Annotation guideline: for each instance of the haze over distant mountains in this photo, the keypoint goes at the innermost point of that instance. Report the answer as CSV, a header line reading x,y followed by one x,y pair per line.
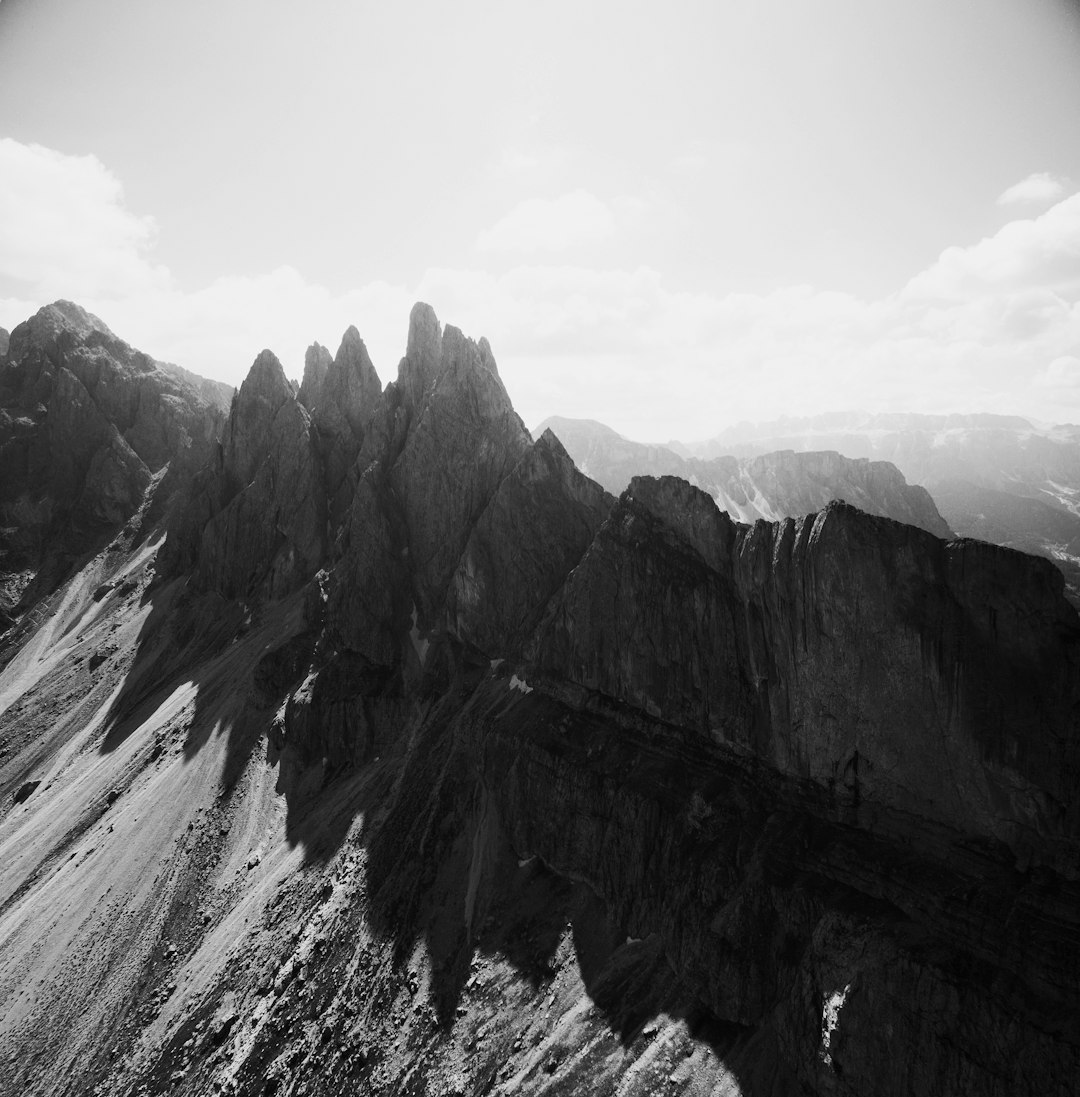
x,y
996,478
771,486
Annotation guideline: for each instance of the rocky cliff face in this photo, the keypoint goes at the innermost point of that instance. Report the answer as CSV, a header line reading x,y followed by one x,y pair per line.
x,y
463,776
995,477
86,425
771,485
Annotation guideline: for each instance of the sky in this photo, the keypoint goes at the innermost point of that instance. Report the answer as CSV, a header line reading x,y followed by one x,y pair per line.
x,y
668,217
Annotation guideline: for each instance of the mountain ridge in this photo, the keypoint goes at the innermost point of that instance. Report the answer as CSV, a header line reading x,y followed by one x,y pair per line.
x,y
452,773
780,484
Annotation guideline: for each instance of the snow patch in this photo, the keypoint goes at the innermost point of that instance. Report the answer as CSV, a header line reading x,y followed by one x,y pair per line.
x,y
520,684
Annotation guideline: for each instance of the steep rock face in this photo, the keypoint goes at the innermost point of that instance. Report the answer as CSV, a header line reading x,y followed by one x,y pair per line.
x,y
513,788
464,438
829,947
5,338
85,423
342,408
443,439
531,535
797,483
256,522
316,362
782,484
886,666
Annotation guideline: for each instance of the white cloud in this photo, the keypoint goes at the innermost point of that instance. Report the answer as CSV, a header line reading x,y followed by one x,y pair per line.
x,y
991,326
64,229
1040,188
1040,252
555,224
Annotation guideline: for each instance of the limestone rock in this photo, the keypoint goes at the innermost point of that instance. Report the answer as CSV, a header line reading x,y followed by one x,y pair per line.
x,y
316,362
531,535
871,658
464,438
256,522
86,421
344,406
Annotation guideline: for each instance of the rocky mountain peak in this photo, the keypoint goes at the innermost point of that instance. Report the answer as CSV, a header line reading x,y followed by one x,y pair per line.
x,y
264,392
615,795
687,511
352,386
88,425
423,354
317,361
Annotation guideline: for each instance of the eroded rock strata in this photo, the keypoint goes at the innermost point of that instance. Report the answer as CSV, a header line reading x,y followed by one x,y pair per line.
x,y
415,762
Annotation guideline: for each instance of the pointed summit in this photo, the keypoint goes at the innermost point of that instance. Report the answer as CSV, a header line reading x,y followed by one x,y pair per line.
x,y
264,391
352,385
423,354
317,361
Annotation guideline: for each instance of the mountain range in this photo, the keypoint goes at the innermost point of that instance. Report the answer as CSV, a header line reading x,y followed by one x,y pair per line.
x,y
995,478
354,740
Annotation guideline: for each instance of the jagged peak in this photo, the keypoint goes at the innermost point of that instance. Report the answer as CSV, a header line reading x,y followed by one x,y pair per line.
x,y
353,355
423,354
435,351
351,344
486,356
549,440
73,317
687,511
469,358
425,334
61,318
266,376
351,388
317,362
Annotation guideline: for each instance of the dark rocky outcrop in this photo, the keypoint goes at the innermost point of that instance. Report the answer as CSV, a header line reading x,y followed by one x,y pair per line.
x,y
531,535
86,423
256,521
342,406
809,785
892,669
444,438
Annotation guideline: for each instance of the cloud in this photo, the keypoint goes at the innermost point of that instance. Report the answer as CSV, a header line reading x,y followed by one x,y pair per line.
x,y
556,224
64,229
1040,252
993,326
1039,188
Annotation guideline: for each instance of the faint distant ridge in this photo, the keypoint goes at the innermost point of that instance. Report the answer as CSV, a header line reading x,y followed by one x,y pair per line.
x,y
771,486
858,428
999,478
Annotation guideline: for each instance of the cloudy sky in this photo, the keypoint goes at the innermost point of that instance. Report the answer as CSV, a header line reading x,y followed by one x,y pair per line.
x,y
669,217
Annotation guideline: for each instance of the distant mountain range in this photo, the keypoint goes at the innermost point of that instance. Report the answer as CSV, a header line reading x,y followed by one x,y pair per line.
x,y
771,486
994,477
